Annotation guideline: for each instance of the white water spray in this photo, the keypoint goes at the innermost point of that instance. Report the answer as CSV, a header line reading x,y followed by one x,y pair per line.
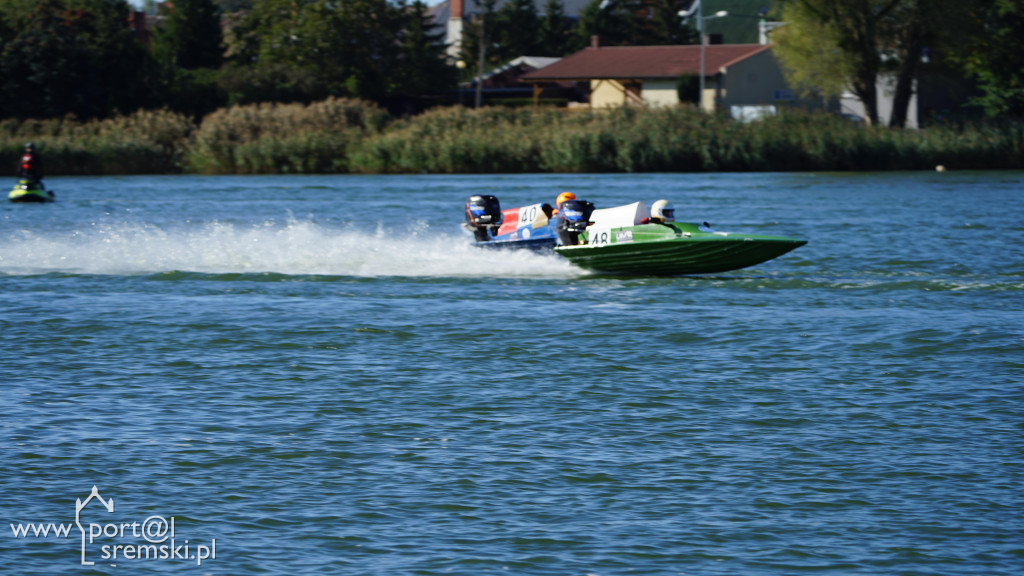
x,y
295,247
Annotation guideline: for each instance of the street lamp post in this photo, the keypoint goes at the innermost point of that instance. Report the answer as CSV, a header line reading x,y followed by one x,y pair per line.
x,y
700,31
480,60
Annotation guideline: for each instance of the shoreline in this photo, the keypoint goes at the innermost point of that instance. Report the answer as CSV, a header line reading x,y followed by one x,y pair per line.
x,y
339,136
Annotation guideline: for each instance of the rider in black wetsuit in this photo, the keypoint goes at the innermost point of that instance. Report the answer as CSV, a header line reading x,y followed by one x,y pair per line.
x,y
30,167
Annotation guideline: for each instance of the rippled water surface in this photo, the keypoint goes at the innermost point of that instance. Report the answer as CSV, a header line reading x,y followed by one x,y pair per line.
x,y
318,375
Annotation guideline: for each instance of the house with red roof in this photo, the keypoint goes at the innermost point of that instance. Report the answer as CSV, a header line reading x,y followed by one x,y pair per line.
x,y
739,78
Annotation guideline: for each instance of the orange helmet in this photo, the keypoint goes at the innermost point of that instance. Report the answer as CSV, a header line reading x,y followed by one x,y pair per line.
x,y
563,197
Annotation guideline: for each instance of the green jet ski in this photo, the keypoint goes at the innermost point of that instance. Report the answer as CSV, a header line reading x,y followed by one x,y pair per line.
x,y
26,191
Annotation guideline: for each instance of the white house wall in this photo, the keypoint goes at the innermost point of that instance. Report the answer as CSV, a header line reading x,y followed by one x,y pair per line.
x,y
606,94
660,93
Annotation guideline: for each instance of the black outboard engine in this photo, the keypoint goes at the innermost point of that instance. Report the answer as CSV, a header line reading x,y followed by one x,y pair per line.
x,y
574,216
483,216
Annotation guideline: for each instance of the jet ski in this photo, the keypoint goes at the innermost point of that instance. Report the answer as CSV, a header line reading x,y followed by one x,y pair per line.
x,y
28,191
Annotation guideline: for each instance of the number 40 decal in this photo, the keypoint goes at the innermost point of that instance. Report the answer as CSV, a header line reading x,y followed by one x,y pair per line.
x,y
527,214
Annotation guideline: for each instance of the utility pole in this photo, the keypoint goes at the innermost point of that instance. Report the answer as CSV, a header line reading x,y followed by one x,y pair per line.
x,y
480,62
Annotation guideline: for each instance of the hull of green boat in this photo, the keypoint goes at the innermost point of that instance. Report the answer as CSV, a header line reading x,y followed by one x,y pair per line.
x,y
670,257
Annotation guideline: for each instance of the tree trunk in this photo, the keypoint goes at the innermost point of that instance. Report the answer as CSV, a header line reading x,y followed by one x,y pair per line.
x,y
912,40
865,87
905,86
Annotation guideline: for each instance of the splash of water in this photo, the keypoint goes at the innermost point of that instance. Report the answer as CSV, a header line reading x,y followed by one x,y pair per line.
x,y
295,247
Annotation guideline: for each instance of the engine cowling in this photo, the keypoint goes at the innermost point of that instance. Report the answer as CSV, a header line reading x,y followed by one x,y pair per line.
x,y
574,216
483,216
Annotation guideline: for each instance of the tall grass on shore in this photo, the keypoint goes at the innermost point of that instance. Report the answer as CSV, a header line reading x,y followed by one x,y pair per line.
x,y
672,140
337,136
283,138
147,142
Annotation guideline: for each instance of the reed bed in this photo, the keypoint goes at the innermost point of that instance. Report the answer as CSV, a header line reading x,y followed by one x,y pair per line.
x,y
283,138
672,140
338,135
147,142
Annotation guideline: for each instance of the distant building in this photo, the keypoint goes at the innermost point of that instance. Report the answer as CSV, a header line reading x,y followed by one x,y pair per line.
x,y
505,82
743,79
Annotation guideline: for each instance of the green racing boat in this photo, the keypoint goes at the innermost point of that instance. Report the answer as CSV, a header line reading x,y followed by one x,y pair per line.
x,y
623,240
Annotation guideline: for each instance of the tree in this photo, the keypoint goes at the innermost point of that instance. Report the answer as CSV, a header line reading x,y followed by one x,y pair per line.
x,y
609,20
516,30
993,56
190,36
810,54
311,49
480,26
554,37
829,46
918,27
120,64
665,26
74,56
423,66
850,35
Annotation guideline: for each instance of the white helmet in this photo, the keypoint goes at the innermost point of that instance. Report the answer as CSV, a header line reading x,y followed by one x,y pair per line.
x,y
663,211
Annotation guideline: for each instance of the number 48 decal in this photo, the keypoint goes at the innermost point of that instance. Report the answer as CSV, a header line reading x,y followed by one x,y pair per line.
x,y
599,236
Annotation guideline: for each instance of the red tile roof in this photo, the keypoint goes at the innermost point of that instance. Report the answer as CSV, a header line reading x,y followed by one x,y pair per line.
x,y
644,62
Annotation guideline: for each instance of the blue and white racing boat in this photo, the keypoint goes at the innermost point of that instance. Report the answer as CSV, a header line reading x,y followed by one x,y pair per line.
x,y
532,227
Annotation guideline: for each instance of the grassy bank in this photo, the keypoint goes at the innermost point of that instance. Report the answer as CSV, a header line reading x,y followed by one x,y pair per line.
x,y
143,143
338,136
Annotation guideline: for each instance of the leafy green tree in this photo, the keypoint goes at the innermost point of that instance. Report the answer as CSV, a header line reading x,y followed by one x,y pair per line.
x,y
810,54
190,36
42,63
828,46
311,49
850,38
994,57
74,56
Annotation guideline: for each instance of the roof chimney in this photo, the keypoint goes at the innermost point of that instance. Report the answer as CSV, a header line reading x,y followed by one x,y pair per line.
x,y
595,41
456,9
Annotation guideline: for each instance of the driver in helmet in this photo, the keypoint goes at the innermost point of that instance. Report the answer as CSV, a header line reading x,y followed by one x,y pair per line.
x,y
663,212
561,200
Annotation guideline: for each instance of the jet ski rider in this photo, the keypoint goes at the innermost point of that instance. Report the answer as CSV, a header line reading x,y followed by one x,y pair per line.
x,y
30,167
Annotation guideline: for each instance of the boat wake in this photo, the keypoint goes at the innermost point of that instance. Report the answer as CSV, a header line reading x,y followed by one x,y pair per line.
x,y
293,248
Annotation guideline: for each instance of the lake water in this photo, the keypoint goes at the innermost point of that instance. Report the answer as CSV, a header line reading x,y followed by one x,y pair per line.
x,y
318,375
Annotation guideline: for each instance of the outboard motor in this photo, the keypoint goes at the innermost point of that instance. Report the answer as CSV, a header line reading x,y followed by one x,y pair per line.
x,y
574,216
483,216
